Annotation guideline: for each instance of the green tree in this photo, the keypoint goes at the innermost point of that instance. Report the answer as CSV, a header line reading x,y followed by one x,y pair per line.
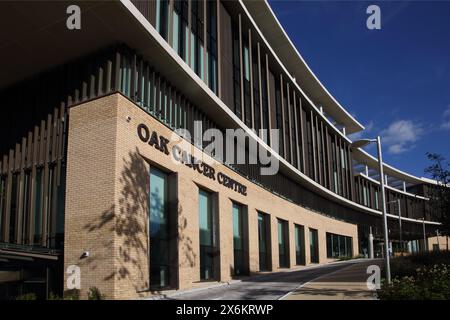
x,y
440,193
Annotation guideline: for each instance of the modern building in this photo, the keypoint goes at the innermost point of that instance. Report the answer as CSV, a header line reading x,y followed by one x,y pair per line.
x,y
91,177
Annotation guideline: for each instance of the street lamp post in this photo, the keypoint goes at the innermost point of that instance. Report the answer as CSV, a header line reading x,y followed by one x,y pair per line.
x,y
360,144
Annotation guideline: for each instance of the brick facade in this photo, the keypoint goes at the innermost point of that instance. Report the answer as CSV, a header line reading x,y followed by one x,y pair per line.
x,y
107,204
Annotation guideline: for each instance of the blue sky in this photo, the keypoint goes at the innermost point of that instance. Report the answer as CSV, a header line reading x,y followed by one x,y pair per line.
x,y
395,81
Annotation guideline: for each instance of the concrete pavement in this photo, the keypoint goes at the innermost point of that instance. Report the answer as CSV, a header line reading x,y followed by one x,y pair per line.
x,y
348,283
278,285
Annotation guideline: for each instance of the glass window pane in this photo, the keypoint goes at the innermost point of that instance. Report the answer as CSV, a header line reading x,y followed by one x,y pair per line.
x,y
186,49
202,62
262,237
206,236
313,246
158,216
237,226
299,245
175,35
342,251
335,246
282,245
349,247
238,239
159,229
246,64
329,245
205,219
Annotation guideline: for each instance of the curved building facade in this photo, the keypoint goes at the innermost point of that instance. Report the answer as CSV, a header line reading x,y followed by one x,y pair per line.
x,y
98,175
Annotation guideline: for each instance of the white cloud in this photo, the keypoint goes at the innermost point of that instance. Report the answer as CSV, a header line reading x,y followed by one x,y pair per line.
x,y
445,125
447,113
401,135
446,117
369,126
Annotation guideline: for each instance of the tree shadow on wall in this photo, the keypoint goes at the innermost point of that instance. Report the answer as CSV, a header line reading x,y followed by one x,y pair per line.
x,y
128,222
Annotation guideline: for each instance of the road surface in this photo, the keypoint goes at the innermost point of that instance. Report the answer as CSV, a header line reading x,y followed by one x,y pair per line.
x,y
266,287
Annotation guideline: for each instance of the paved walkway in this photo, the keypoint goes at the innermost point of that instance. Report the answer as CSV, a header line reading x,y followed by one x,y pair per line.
x,y
348,283
270,286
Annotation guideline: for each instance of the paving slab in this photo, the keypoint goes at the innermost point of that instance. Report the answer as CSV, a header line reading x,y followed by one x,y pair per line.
x,y
348,283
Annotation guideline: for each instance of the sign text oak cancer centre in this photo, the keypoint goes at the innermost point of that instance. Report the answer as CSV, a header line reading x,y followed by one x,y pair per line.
x,y
160,143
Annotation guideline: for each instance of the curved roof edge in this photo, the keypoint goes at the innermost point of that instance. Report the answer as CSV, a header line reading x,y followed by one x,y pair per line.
x,y
211,98
275,34
365,157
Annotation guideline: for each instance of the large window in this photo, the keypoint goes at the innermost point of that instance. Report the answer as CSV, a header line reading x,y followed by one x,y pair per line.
x,y
212,45
286,127
181,28
159,230
247,91
309,142
283,240
206,225
313,246
279,118
162,12
265,101
237,73
256,91
339,246
377,207
239,239
264,241
293,133
197,38
365,195
299,244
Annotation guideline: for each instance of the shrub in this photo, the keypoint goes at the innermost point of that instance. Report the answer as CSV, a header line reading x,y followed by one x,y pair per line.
x,y
27,296
72,294
95,294
346,258
408,265
429,283
53,296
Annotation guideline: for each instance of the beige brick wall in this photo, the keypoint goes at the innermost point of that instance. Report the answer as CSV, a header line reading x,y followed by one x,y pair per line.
x,y
90,192
440,241
107,196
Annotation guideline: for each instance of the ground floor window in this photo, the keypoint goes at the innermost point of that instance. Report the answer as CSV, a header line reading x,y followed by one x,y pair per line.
x,y
239,239
206,231
414,246
283,240
313,246
264,241
339,246
299,244
159,230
